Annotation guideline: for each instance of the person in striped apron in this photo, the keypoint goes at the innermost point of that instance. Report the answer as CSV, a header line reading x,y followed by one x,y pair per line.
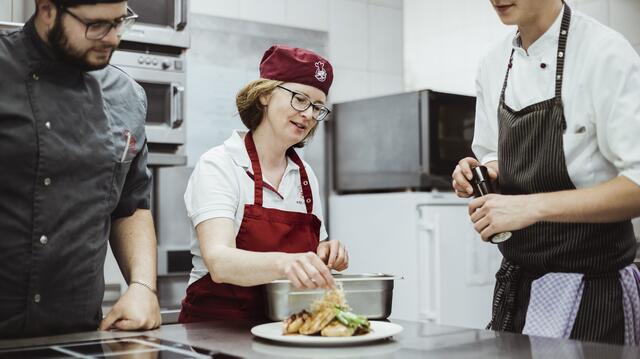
x,y
557,123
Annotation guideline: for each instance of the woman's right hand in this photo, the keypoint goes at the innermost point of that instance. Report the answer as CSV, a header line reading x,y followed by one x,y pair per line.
x,y
462,176
306,271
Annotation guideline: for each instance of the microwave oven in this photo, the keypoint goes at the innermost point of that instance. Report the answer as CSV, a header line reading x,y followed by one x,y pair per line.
x,y
409,141
162,22
162,75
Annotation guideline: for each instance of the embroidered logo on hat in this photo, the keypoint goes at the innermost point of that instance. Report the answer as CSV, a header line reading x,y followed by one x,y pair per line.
x,y
321,73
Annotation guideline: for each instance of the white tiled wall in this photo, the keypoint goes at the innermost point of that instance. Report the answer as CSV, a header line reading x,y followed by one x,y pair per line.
x,y
445,39
5,10
365,37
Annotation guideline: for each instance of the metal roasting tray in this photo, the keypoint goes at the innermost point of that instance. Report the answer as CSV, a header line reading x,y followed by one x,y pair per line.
x,y
368,294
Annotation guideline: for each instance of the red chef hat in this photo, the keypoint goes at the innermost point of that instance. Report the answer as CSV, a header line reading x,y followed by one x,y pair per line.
x,y
292,64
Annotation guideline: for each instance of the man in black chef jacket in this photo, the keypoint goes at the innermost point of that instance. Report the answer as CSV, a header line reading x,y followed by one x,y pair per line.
x,y
73,174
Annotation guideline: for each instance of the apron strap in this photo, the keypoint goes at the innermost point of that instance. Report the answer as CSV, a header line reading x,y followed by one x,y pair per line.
x,y
257,171
304,179
562,46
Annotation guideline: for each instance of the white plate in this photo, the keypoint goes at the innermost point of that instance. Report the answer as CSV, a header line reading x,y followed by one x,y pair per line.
x,y
273,331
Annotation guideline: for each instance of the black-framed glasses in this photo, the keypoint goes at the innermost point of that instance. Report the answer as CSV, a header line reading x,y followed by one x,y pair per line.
x,y
97,30
301,102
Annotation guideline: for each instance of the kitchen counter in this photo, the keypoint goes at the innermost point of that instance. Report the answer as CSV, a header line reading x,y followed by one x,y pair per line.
x,y
418,340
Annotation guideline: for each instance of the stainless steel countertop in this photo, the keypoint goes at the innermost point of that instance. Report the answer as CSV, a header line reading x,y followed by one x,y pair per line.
x,y
418,340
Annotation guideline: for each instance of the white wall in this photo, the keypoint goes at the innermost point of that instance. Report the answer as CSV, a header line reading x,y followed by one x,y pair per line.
x,y
365,37
444,40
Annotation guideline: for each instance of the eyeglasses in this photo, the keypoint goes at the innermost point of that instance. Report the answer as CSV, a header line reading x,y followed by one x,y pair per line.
x,y
99,29
301,102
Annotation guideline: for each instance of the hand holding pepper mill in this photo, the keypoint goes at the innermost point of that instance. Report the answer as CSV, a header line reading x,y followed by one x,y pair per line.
x,y
482,186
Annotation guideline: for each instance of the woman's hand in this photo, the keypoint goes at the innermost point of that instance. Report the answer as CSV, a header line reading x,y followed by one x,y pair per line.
x,y
462,176
307,271
334,254
496,213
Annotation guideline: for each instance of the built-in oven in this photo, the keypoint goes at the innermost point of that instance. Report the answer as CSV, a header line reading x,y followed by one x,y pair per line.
x,y
160,22
162,75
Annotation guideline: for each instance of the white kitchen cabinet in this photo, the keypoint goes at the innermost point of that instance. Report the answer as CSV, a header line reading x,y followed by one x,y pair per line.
x,y
428,239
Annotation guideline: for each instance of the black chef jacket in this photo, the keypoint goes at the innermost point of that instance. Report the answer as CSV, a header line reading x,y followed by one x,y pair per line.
x,y
73,157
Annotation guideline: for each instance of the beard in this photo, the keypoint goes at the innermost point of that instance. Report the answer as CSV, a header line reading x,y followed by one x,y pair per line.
x,y
70,55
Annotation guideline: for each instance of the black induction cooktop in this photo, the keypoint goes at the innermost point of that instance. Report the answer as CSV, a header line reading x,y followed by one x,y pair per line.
x,y
132,347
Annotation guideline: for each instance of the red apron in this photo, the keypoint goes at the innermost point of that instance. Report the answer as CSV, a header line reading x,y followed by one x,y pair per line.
x,y
262,230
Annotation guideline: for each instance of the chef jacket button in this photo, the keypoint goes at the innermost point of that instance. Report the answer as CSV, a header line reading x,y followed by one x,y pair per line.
x,y
47,125
35,76
44,239
47,181
563,32
36,298
308,200
543,65
306,183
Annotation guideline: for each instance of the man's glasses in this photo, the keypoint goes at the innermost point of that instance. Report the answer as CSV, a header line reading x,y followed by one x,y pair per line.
x,y
300,102
99,29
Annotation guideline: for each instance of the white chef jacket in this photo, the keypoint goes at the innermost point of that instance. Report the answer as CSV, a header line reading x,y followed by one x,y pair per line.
x,y
219,187
600,93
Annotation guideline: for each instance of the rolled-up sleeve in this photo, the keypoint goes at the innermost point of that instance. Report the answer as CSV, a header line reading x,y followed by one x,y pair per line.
x,y
616,92
136,193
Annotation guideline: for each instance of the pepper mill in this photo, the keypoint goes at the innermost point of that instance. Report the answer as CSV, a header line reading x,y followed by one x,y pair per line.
x,y
482,186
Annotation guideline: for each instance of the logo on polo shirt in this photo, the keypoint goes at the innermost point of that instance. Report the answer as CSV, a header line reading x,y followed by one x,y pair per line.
x,y
321,73
300,196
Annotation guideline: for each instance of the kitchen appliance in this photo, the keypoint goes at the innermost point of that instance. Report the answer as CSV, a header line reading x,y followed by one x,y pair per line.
x,y
370,295
141,346
161,72
426,238
397,142
162,22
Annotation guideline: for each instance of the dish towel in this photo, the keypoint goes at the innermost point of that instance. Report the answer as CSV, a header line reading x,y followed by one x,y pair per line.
x,y
555,300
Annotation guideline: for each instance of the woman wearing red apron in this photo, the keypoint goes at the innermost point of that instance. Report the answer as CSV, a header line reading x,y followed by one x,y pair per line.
x,y
254,203
557,123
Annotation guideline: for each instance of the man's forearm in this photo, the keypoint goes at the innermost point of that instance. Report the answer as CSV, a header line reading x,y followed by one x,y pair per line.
x,y
134,246
612,201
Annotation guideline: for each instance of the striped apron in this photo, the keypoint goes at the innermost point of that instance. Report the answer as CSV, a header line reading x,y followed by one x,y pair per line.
x,y
531,160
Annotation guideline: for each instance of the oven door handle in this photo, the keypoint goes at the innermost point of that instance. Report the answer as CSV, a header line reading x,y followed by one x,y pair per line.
x,y
178,106
181,13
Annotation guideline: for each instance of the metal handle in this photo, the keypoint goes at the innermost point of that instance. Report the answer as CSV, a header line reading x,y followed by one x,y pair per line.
x,y
181,11
178,113
429,280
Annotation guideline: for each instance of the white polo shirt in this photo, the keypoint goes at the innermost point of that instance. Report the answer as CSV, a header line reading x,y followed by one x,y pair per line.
x,y
600,93
219,187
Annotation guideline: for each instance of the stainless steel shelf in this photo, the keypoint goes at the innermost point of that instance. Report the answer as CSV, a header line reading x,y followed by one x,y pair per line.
x,y
164,159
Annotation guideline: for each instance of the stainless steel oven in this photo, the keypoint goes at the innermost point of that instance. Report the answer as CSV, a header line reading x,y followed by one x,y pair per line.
x,y
163,77
160,22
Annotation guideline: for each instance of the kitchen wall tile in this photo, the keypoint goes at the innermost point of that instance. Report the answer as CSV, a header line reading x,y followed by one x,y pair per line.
x,y
349,84
308,14
5,10
396,4
597,9
223,8
348,34
385,40
385,84
624,16
271,11
637,47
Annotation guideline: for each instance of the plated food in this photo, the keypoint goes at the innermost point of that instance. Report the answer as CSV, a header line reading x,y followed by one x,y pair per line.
x,y
330,316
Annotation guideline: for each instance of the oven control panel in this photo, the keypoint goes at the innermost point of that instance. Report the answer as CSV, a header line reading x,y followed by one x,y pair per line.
x,y
149,61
